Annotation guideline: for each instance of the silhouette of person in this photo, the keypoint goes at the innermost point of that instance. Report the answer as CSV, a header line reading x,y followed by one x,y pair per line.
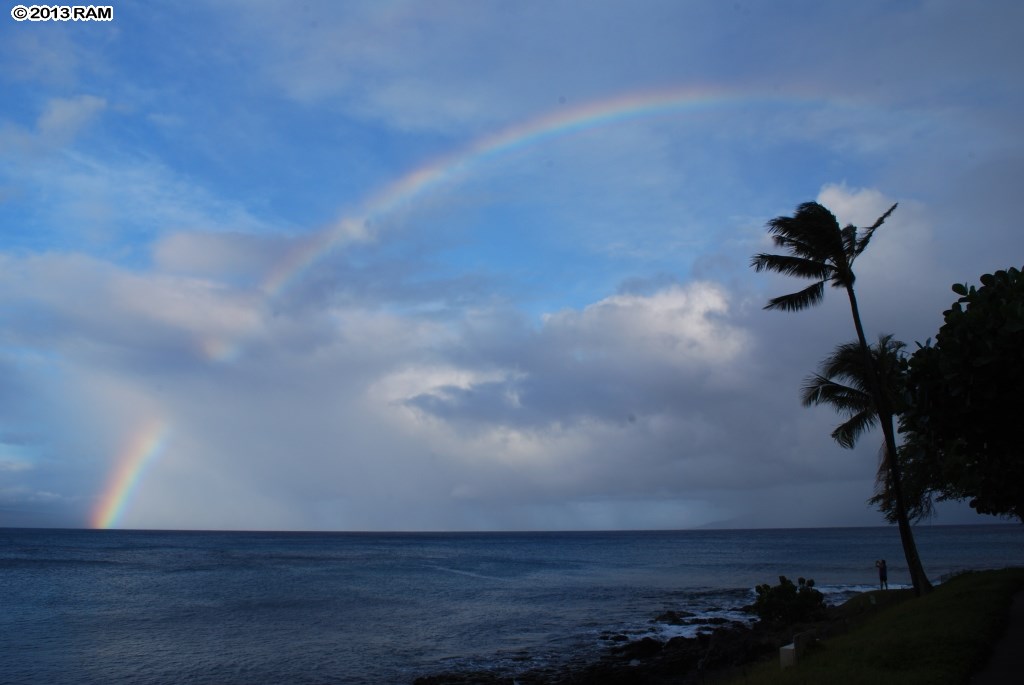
x,y
883,574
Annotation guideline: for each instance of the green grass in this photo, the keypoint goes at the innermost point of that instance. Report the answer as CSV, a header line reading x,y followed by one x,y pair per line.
x,y
940,638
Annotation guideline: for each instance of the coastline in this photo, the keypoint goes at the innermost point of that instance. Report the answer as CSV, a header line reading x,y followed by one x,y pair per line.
x,y
709,657
679,660
968,630
703,643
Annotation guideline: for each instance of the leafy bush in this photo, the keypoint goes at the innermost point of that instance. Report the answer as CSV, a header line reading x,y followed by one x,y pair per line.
x,y
789,603
962,426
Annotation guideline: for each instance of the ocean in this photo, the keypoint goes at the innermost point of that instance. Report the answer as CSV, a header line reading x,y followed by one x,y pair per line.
x,y
153,607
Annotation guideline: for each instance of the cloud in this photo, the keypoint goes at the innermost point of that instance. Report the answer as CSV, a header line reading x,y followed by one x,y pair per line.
x,y
615,359
634,394
143,320
64,117
406,65
227,256
64,193
326,405
679,326
56,127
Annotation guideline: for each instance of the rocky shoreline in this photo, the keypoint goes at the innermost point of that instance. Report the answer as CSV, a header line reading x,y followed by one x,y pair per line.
x,y
708,658
648,660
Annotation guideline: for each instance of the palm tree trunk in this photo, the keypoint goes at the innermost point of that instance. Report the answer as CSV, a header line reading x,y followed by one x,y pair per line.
x,y
885,414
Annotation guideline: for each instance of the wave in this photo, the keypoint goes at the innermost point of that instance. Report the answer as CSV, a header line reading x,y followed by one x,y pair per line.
x,y
471,574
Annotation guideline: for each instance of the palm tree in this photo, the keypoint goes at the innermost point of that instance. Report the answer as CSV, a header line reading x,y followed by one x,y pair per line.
x,y
823,252
843,382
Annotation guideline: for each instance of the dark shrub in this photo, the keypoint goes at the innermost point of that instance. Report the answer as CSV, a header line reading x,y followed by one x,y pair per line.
x,y
787,603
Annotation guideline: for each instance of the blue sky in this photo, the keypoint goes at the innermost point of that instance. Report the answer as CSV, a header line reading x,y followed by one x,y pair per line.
x,y
213,232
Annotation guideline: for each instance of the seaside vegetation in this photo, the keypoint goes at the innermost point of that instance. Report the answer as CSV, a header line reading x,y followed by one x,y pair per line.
x,y
789,602
939,639
961,423
956,402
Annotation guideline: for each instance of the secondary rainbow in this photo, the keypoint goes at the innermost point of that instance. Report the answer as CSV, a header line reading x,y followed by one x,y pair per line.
x,y
561,122
141,450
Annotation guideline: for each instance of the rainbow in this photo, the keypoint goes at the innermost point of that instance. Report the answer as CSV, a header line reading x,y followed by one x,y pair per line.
x,y
139,452
561,122
357,225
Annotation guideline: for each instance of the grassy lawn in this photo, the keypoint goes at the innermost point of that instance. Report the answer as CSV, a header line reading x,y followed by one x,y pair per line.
x,y
941,638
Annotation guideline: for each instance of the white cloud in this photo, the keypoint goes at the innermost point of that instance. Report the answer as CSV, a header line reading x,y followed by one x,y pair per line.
x,y
405,384
681,327
857,206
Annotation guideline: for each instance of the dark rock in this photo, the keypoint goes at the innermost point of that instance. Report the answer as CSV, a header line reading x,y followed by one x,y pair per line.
x,y
713,621
674,618
641,649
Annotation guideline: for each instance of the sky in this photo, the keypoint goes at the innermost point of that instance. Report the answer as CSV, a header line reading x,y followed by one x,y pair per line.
x,y
458,265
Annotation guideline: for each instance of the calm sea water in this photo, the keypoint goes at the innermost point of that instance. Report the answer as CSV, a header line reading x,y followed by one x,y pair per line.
x,y
260,608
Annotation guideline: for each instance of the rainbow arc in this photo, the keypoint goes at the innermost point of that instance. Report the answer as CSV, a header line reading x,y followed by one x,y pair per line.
x,y
141,450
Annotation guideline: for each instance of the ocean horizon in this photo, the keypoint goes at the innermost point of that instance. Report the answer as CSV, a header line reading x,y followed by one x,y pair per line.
x,y
255,607
712,527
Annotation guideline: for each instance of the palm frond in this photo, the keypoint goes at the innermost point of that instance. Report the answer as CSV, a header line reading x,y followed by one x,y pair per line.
x,y
847,363
794,302
843,382
797,247
818,389
870,231
811,232
791,266
849,234
825,226
816,251
848,432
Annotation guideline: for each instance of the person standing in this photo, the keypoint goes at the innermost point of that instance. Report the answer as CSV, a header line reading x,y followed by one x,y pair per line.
x,y
883,574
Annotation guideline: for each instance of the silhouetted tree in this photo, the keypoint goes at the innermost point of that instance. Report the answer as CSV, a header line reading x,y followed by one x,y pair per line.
x,y
843,382
963,425
819,250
